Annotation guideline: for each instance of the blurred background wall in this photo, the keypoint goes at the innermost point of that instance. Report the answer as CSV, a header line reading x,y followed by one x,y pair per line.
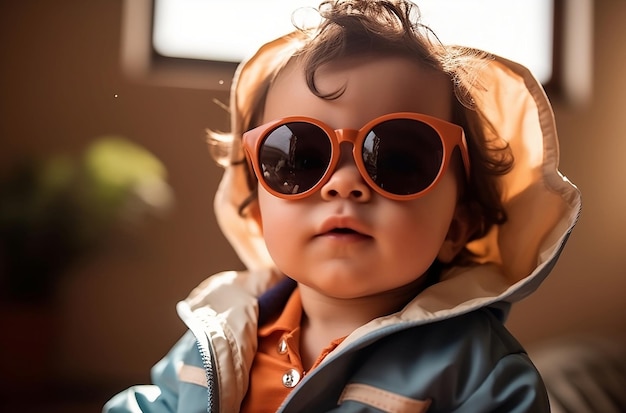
x,y
113,314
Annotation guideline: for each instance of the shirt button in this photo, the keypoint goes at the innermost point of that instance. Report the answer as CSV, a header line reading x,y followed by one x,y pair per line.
x,y
282,346
291,378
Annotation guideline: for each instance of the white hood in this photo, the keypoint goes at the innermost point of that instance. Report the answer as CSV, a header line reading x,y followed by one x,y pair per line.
x,y
542,205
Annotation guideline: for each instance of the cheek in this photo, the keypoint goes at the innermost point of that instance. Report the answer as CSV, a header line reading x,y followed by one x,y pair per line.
x,y
417,237
420,228
278,222
267,217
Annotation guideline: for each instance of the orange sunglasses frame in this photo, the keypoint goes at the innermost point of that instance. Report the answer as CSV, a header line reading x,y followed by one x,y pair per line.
x,y
451,136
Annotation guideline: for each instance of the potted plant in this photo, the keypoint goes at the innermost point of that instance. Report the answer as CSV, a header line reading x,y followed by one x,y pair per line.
x,y
55,211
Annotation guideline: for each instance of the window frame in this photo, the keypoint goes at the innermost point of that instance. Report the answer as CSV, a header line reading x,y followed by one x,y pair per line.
x,y
141,61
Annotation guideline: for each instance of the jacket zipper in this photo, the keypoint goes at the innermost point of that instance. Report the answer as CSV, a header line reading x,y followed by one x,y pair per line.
x,y
211,377
199,325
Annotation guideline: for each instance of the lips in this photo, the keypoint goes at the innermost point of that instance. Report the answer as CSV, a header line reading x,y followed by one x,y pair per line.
x,y
343,226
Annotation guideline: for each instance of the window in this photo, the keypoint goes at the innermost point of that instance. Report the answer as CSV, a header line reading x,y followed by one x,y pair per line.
x,y
200,41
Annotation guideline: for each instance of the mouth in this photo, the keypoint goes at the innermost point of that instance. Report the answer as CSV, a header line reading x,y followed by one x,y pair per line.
x,y
344,231
343,227
343,235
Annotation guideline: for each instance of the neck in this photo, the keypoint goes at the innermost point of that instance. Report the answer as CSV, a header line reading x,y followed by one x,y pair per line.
x,y
326,318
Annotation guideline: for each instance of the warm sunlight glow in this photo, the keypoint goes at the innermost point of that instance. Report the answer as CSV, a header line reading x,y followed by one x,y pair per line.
x,y
520,30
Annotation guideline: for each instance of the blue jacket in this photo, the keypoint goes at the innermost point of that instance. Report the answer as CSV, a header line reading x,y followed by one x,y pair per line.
x,y
465,363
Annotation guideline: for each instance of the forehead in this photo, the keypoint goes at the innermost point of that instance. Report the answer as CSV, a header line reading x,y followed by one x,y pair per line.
x,y
374,86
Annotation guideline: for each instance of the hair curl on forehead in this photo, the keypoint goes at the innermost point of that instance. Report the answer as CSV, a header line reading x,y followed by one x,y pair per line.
x,y
358,28
387,28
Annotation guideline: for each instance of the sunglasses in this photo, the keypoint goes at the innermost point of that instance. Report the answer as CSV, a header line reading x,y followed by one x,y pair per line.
x,y
401,156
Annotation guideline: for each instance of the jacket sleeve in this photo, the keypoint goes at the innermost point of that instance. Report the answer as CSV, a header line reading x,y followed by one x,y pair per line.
x,y
178,384
513,386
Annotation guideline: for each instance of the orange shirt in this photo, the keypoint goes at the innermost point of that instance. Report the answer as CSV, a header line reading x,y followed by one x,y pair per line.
x,y
277,367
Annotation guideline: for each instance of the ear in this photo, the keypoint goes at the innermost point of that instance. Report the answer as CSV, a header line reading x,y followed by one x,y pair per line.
x,y
459,232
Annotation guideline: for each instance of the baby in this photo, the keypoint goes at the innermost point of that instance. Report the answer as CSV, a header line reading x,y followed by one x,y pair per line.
x,y
390,197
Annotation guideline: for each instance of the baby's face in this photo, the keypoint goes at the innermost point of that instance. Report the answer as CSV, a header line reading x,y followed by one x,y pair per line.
x,y
346,240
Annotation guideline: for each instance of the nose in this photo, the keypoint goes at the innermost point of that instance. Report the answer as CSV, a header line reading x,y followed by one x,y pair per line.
x,y
346,180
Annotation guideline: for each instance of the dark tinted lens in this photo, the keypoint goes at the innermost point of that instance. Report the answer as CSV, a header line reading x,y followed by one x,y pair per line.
x,y
403,156
294,157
